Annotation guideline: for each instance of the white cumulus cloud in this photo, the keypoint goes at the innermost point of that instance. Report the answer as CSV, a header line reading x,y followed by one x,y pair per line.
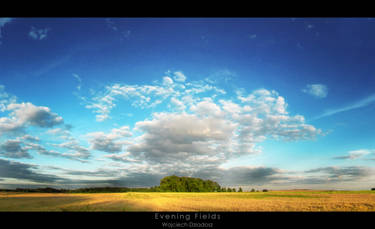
x,y
179,76
27,114
214,132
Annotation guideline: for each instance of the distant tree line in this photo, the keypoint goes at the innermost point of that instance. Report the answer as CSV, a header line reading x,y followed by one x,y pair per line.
x,y
167,184
79,190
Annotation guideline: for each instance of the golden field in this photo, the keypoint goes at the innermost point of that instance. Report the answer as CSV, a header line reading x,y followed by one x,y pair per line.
x,y
138,201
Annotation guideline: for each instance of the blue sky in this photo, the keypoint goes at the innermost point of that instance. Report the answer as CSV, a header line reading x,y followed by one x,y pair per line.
x,y
279,103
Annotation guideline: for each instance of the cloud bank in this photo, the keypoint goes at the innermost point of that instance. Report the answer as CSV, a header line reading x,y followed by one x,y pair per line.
x,y
199,130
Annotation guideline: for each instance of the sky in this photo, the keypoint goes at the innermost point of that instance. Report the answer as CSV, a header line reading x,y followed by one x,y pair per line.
x,y
277,103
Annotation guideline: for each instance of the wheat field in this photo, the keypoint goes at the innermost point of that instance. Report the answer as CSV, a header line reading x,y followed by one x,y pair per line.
x,y
137,201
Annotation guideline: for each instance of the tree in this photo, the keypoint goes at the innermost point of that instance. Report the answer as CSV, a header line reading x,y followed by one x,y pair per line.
x,y
240,189
187,184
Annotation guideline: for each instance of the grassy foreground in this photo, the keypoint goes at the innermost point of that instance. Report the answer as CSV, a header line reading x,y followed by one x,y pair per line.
x,y
246,201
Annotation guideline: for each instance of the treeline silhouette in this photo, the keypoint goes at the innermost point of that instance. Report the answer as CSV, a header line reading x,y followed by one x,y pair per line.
x,y
167,184
79,190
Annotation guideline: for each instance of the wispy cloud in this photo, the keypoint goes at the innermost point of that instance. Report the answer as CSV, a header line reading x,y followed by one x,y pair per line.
x,y
355,154
38,34
335,173
361,103
5,99
79,81
252,36
3,22
310,26
149,96
317,90
52,65
112,25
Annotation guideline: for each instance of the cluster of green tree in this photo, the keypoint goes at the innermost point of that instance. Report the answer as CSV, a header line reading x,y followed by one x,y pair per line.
x,y
190,184
253,190
186,184
230,190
